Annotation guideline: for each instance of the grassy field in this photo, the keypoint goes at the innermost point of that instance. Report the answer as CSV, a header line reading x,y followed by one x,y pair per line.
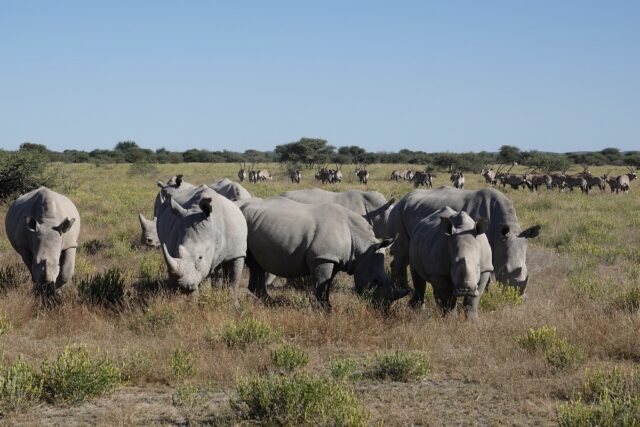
x,y
192,358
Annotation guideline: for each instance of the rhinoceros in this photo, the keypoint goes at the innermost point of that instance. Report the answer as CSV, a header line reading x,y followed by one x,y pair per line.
x,y
373,206
231,190
291,239
200,234
508,241
181,193
450,250
43,227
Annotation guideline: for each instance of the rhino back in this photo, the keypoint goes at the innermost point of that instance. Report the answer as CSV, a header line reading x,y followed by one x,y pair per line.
x,y
231,190
286,237
46,206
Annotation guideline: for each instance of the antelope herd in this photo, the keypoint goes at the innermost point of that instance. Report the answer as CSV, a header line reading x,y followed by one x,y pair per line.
x,y
533,180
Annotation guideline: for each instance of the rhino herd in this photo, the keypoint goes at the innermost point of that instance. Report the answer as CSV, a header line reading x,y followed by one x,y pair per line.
x,y
454,239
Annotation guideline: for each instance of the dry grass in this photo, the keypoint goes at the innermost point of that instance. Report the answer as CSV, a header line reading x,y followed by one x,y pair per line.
x,y
584,261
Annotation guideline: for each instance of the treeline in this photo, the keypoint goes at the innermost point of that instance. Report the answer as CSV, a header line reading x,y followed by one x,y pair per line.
x,y
312,152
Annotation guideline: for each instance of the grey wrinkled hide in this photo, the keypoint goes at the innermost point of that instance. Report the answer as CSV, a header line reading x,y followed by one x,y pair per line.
x,y
200,234
43,227
225,187
373,206
291,239
231,190
449,250
508,241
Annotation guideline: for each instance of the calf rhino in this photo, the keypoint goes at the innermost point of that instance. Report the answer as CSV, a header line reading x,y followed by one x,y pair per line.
x,y
291,239
373,206
508,241
200,234
43,227
450,250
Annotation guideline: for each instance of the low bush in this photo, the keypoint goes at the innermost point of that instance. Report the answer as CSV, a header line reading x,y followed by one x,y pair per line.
x,y
500,296
605,399
289,358
105,289
558,353
629,300
182,364
74,376
297,399
12,276
248,331
400,365
342,369
20,386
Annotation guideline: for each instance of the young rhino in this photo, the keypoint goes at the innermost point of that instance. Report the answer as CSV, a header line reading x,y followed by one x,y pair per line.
x,y
43,227
450,250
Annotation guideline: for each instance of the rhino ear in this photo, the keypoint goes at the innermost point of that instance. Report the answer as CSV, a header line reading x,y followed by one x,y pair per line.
x,y
64,225
160,184
504,229
205,205
177,209
178,181
31,223
482,225
531,232
446,224
391,201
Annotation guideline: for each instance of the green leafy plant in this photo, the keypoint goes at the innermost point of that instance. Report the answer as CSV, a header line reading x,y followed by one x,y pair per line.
x,y
103,289
182,364
297,399
74,376
20,386
289,357
399,366
248,331
342,369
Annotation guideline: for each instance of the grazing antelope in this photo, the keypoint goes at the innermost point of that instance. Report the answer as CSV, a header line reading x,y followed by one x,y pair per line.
x,y
362,174
242,173
457,178
534,181
423,178
295,176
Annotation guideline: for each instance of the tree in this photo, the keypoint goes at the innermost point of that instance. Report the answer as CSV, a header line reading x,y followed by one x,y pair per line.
x,y
125,146
309,151
509,154
356,154
28,146
23,171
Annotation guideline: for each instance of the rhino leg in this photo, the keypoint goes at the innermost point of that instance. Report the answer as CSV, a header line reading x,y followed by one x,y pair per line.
x,y
419,286
443,293
323,275
67,266
471,303
400,262
257,279
235,274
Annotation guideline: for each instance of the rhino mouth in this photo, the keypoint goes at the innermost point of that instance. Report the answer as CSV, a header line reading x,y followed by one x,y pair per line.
x,y
520,285
465,293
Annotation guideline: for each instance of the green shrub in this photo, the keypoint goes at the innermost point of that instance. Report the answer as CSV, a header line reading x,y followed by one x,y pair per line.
x,y
500,296
74,376
20,386
103,289
93,246
188,396
342,369
400,366
295,400
605,399
248,331
562,355
289,357
538,339
182,364
23,171
12,276
142,168
629,301
5,324
558,353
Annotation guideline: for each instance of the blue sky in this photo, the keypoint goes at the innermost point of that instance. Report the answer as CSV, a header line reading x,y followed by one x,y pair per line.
x,y
423,75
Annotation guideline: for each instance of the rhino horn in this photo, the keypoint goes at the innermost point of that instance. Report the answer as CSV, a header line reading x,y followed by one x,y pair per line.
x,y
172,263
144,222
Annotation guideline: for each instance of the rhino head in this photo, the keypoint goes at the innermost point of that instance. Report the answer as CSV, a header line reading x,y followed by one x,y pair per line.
x,y
378,218
191,262
510,255
469,252
46,244
149,234
369,272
